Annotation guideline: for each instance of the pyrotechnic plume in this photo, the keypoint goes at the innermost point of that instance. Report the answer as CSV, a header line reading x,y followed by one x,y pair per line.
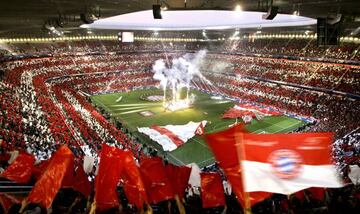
x,y
179,73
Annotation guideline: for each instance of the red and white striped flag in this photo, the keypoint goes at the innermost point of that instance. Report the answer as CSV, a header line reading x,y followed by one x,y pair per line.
x,y
287,163
170,137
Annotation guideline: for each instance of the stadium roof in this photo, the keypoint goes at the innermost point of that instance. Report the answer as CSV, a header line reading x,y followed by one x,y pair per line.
x,y
205,19
31,16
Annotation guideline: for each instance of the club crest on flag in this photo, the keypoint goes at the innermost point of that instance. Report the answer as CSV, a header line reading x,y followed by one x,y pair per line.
x,y
286,164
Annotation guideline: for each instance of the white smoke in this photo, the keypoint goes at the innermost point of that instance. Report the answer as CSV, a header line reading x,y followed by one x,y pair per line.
x,y
220,67
179,73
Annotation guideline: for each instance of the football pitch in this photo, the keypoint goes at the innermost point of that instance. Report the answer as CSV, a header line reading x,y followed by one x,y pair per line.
x,y
127,108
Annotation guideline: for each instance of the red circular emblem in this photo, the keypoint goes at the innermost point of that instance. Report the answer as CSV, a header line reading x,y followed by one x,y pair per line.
x,y
286,164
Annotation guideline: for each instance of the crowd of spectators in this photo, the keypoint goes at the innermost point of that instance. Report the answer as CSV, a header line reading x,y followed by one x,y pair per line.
x,y
43,103
298,48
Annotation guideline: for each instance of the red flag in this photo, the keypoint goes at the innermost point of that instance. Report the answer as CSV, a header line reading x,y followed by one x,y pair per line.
x,y
40,168
108,177
223,146
154,177
69,178
133,185
21,169
178,177
81,182
49,183
212,191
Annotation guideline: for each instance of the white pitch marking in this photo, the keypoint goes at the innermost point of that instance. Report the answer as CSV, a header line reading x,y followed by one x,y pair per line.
x,y
130,108
137,104
134,111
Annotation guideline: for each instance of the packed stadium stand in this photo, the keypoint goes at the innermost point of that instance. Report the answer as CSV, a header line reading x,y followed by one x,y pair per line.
x,y
71,108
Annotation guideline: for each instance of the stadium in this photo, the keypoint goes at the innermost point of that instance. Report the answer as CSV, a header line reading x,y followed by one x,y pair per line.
x,y
171,106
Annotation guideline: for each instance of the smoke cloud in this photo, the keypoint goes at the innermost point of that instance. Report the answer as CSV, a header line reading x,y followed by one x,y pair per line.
x,y
180,71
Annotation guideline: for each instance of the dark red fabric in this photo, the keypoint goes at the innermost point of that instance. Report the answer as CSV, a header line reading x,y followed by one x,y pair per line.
x,y
300,195
69,177
156,182
133,185
212,191
108,177
81,182
317,193
21,169
223,146
7,201
49,183
178,177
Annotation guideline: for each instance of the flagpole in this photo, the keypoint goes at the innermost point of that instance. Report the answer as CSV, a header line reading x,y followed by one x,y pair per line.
x,y
241,156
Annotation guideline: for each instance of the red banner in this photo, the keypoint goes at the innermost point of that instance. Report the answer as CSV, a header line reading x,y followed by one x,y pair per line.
x,y
212,191
156,182
178,177
133,185
69,177
21,169
81,182
223,146
49,183
108,177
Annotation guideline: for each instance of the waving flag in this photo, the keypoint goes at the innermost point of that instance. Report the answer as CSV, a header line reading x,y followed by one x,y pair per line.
x,y
157,185
287,163
223,145
178,177
40,168
81,182
170,137
212,192
50,181
20,169
108,177
249,111
133,185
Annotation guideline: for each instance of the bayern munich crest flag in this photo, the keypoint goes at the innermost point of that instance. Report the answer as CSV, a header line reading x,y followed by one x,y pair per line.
x,y
287,163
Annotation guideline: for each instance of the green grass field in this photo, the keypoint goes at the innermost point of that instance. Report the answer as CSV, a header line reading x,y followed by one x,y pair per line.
x,y
195,150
